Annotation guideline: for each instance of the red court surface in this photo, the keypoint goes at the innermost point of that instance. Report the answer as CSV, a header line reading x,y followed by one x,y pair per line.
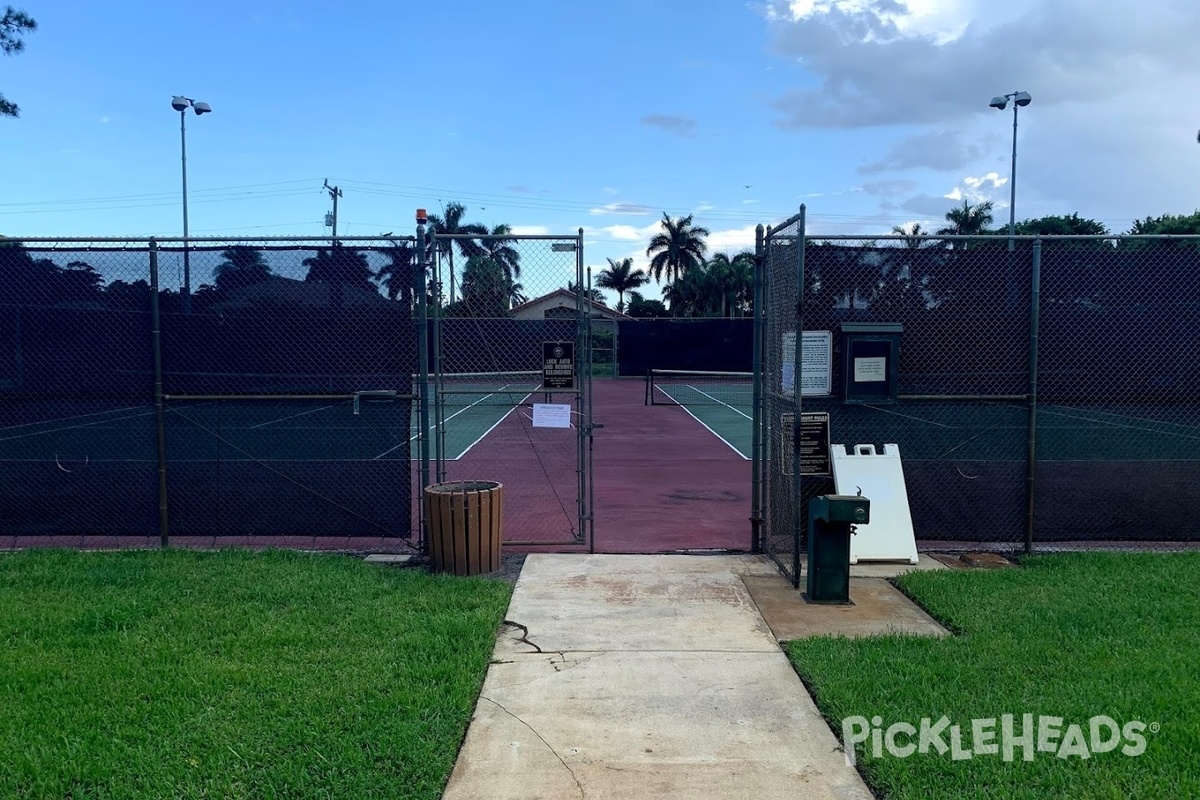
x,y
663,482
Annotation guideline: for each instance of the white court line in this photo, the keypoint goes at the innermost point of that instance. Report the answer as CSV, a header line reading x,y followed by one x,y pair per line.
x,y
489,430
290,416
722,402
910,416
485,433
75,427
68,419
710,430
433,428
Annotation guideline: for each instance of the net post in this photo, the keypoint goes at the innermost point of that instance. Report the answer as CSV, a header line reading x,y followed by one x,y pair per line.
x,y
756,412
160,433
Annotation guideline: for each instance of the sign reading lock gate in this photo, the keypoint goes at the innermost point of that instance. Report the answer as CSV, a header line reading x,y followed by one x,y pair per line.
x,y
558,365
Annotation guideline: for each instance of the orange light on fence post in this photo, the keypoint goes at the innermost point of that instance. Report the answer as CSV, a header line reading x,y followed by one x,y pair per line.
x,y
422,218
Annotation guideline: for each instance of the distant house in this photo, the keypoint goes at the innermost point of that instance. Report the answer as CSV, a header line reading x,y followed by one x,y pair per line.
x,y
562,303
279,291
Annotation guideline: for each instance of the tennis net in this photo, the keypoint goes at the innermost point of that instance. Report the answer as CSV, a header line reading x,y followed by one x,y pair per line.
x,y
491,388
672,387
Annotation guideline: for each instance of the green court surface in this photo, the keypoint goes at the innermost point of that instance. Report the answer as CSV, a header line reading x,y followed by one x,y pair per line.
x,y
961,431
283,430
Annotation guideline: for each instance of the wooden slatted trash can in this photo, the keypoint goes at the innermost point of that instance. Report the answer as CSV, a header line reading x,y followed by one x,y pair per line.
x,y
464,526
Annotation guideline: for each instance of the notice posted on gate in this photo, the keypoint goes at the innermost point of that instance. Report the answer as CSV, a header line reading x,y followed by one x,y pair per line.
x,y
811,443
816,368
558,365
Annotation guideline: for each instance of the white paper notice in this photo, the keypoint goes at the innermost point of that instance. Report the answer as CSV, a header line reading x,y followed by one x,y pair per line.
x,y
870,370
551,415
816,368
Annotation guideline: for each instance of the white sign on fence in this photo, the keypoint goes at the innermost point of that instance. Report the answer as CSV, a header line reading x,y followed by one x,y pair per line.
x,y
551,415
816,362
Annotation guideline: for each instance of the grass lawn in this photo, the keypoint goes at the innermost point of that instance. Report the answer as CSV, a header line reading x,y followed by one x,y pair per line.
x,y
1068,635
235,674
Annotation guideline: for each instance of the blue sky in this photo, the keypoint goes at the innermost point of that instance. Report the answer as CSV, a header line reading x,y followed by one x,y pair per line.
x,y
551,116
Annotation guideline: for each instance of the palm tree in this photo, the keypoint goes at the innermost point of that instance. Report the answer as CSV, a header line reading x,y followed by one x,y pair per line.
x,y
969,220
516,295
731,280
679,247
594,294
243,266
449,225
621,277
497,246
486,289
339,266
914,237
397,276
691,294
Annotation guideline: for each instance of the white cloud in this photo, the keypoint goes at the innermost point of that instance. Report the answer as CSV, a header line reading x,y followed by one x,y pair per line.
x,y
705,206
940,20
1105,83
105,120
530,230
732,240
630,209
977,190
671,123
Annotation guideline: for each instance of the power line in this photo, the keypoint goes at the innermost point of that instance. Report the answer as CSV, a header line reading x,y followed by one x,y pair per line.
x,y
150,196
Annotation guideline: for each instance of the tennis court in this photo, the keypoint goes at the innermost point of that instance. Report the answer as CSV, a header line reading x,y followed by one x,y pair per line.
x,y
723,402
945,430
373,426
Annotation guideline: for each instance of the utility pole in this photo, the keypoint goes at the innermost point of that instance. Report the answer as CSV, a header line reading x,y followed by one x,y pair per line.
x,y
331,220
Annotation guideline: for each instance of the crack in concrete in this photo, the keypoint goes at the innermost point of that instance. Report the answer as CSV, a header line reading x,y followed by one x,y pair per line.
x,y
533,730
524,634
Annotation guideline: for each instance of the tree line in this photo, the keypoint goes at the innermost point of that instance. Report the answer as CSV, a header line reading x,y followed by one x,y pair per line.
x,y
918,270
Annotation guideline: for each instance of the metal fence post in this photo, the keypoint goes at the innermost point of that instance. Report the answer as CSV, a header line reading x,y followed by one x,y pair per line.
x,y
756,447
1031,468
164,528
421,288
797,482
439,409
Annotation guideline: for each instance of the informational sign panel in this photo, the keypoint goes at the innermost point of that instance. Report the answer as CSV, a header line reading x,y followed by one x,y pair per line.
x,y
551,415
811,443
816,365
870,370
558,365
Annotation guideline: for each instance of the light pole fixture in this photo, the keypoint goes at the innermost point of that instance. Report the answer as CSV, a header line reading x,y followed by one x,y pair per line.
x,y
1019,99
182,104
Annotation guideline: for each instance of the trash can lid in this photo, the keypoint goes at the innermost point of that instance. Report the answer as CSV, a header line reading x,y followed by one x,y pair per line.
x,y
463,486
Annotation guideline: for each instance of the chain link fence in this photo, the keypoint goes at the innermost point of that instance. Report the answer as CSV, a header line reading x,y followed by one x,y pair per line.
x,y
515,307
1047,389
776,505
250,388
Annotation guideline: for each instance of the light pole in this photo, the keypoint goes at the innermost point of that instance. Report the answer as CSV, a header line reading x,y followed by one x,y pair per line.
x,y
182,104
1019,99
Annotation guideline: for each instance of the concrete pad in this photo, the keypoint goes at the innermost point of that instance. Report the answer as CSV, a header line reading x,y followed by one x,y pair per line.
x,y
879,608
390,560
636,603
661,725
986,561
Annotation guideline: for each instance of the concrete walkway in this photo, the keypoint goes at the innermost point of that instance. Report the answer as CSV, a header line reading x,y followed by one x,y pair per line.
x,y
656,677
